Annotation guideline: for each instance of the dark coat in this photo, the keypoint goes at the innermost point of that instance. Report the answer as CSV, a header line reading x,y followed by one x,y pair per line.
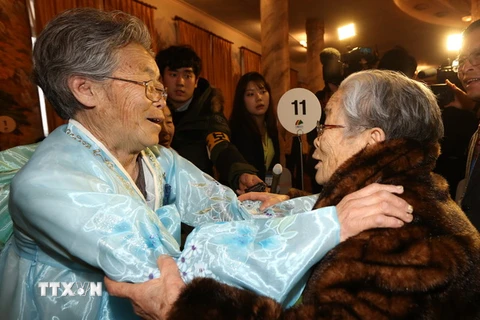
x,y
454,145
203,128
471,198
251,147
427,269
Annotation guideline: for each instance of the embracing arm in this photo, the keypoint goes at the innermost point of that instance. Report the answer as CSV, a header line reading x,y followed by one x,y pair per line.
x,y
372,207
242,301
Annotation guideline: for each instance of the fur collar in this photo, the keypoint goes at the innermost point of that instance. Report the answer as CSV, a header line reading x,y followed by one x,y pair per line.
x,y
380,163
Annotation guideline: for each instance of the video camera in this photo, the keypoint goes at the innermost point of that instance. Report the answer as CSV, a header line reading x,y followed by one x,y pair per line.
x,y
337,67
445,71
444,93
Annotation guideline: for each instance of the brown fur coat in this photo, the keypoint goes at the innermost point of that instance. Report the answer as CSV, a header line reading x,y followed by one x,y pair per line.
x,y
427,269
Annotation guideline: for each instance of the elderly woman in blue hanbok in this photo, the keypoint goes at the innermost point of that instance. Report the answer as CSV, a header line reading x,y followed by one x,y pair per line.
x,y
100,197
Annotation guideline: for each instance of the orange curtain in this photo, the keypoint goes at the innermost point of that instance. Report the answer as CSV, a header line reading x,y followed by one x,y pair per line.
x,y
199,40
222,73
216,55
45,10
251,61
293,78
139,9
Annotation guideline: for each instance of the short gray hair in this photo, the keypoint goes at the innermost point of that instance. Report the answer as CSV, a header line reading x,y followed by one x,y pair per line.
x,y
84,42
402,107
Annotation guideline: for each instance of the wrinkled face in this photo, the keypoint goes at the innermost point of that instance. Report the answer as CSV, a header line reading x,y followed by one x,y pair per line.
x,y
168,129
180,85
333,147
257,99
469,74
128,121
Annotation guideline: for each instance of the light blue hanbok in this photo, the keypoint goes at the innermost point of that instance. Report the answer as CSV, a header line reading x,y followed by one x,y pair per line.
x,y
78,216
11,160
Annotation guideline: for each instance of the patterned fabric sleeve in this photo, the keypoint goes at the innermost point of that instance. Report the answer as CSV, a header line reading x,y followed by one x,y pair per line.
x,y
269,254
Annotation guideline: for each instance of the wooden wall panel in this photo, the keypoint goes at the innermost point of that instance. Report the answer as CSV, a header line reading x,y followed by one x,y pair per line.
x,y
20,121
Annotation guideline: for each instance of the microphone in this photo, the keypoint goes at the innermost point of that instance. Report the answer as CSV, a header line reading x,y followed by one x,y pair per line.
x,y
277,172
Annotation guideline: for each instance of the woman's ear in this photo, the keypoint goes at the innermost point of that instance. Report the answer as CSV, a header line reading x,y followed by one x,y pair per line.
x,y
83,90
375,135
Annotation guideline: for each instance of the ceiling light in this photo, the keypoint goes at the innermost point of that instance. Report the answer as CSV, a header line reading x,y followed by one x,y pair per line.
x,y
347,31
303,43
467,18
454,42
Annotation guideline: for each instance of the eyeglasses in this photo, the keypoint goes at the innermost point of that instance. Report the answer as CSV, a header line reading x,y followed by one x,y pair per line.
x,y
473,58
322,127
152,92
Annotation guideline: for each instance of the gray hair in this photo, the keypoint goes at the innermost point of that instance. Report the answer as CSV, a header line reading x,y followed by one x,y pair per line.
x,y
83,42
402,107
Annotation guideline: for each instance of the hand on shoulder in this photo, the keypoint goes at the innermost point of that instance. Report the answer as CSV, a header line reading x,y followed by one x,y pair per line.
x,y
375,206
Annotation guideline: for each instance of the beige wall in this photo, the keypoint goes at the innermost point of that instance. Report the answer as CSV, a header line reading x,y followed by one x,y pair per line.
x,y
20,121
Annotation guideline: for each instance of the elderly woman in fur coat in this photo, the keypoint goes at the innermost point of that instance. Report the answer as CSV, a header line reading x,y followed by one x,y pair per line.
x,y
380,127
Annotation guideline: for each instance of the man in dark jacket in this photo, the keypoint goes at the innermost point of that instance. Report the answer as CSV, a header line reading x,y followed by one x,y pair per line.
x,y
202,134
469,75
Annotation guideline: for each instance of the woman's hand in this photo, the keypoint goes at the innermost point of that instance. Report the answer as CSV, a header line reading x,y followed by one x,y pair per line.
x,y
374,206
267,199
151,300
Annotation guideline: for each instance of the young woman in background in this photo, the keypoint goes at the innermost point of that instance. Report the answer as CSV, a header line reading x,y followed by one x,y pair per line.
x,y
254,124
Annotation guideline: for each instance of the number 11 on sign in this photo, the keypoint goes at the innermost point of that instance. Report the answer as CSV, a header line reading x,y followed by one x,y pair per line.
x,y
303,103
